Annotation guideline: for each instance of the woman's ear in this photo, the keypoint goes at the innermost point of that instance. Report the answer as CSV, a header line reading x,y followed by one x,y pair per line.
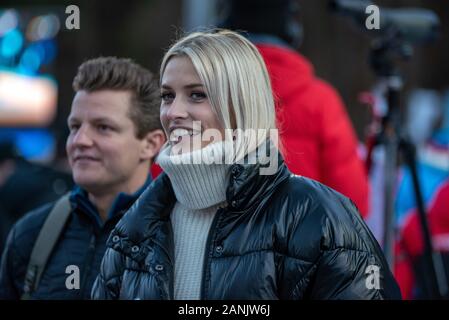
x,y
152,144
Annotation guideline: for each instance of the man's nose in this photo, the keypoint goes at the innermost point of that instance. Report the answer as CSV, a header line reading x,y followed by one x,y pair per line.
x,y
82,137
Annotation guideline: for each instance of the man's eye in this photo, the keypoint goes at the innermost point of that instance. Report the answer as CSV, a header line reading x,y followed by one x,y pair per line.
x,y
102,127
74,127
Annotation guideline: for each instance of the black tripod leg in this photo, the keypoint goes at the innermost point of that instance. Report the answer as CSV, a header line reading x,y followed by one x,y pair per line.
x,y
391,148
436,286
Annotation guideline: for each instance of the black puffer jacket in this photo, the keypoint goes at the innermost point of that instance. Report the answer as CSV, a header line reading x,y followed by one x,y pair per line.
x,y
281,237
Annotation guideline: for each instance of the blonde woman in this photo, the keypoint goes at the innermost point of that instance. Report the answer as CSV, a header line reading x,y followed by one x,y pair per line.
x,y
215,224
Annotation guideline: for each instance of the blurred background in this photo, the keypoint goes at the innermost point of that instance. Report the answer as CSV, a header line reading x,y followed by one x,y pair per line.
x,y
35,42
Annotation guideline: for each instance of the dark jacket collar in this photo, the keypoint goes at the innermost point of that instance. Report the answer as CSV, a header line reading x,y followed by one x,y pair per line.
x,y
79,200
251,181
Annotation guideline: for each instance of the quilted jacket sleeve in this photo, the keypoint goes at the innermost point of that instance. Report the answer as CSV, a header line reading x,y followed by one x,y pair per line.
x,y
349,274
108,283
344,259
352,265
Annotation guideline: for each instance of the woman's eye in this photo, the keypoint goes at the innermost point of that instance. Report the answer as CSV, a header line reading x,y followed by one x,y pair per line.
x,y
166,96
198,95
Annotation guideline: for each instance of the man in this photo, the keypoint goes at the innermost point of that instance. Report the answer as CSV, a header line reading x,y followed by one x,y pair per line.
x,y
115,134
316,134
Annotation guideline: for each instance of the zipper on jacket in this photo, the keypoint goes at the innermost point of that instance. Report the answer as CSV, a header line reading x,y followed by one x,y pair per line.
x,y
88,264
210,237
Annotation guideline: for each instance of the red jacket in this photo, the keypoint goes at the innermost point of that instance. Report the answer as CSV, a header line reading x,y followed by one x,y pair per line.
x,y
318,139
410,244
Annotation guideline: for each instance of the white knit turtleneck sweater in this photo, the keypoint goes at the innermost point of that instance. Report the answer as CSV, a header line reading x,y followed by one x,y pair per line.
x,y
200,191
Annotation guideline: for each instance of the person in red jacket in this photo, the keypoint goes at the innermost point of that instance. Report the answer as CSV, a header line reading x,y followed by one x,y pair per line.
x,y
317,137
410,247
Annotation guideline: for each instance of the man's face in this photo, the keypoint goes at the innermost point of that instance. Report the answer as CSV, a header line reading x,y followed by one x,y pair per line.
x,y
102,147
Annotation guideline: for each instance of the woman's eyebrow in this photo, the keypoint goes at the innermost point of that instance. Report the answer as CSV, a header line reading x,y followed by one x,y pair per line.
x,y
193,85
188,86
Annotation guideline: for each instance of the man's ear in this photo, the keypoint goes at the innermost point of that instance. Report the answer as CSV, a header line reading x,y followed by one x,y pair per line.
x,y
152,143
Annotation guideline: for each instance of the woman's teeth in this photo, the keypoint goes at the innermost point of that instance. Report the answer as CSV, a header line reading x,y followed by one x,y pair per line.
x,y
177,134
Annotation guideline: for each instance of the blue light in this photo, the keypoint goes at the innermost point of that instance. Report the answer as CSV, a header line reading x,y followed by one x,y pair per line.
x,y
46,50
50,51
35,144
11,44
39,49
32,144
31,59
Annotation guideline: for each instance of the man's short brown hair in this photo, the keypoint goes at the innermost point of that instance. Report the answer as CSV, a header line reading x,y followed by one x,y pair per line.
x,y
111,73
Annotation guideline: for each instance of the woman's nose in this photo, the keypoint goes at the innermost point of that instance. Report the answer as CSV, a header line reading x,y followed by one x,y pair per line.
x,y
177,109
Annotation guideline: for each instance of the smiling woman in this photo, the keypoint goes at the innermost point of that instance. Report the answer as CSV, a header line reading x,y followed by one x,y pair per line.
x,y
219,80
185,103
209,230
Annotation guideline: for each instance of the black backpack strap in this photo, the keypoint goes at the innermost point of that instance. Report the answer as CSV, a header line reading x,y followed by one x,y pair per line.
x,y
46,240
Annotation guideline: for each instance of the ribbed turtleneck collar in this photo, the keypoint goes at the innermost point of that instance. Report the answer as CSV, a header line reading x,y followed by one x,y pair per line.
x,y
198,180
